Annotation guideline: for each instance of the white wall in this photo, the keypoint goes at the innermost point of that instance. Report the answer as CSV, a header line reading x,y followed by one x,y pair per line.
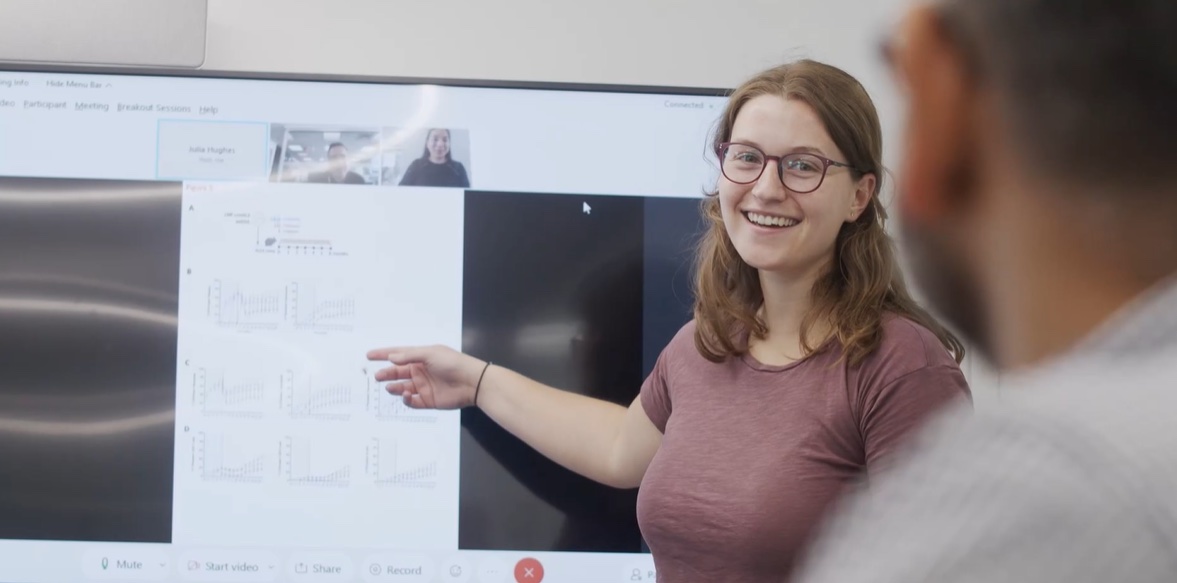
x,y
668,42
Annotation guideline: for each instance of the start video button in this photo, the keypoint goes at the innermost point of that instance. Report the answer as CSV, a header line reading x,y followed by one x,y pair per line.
x,y
126,564
229,566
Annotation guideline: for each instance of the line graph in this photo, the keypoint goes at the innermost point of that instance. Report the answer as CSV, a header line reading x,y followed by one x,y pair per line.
x,y
390,463
306,397
217,396
312,308
389,407
308,463
216,458
304,305
232,305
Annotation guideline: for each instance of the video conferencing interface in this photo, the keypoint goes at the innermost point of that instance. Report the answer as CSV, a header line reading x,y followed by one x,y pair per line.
x,y
195,269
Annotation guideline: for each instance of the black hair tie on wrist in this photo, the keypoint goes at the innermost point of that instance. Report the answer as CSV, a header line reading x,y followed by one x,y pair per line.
x,y
479,385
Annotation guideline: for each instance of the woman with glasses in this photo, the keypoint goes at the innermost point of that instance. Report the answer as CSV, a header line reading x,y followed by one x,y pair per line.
x,y
806,365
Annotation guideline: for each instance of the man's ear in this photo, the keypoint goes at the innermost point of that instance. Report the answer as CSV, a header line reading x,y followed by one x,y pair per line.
x,y
938,139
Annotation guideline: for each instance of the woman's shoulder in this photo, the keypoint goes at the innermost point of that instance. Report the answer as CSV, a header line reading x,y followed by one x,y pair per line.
x,y
681,351
905,346
682,344
413,168
910,369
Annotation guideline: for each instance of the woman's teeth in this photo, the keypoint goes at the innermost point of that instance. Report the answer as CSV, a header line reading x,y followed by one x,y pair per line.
x,y
770,221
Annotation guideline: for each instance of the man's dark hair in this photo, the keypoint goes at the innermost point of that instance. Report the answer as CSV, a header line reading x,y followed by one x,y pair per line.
x,y
1088,87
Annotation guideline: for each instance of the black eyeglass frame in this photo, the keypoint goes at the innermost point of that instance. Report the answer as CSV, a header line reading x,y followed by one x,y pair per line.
x,y
780,164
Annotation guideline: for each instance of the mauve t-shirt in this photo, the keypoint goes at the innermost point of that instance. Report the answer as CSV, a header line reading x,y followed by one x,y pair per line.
x,y
752,455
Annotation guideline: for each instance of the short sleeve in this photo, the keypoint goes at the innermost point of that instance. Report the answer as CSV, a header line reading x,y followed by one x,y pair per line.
x,y
655,395
892,412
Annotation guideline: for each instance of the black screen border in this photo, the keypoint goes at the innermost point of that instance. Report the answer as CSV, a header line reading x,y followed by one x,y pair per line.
x,y
331,78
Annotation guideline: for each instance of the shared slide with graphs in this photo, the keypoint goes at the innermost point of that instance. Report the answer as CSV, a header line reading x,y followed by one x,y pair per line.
x,y
282,433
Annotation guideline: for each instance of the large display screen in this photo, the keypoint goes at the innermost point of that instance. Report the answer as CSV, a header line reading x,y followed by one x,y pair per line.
x,y
194,268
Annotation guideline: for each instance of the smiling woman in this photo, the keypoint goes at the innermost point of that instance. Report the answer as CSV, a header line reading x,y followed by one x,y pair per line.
x,y
437,165
806,366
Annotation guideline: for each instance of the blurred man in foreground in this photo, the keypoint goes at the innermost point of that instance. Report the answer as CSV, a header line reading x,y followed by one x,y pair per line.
x,y
1038,196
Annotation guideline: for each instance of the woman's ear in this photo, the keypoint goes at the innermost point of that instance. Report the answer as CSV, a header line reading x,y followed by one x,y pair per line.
x,y
863,192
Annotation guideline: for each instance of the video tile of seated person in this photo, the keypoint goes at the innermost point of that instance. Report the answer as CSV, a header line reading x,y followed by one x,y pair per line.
x,y
317,155
338,170
438,164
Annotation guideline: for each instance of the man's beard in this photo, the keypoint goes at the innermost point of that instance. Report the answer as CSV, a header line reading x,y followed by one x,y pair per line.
x,y
951,291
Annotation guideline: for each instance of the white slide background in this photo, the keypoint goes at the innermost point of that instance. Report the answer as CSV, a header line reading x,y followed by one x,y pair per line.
x,y
282,435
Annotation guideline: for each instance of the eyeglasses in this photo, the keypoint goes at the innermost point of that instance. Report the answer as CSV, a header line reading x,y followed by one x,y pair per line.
x,y
800,173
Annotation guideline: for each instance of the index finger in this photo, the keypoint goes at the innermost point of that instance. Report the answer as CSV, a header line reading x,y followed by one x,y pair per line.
x,y
396,354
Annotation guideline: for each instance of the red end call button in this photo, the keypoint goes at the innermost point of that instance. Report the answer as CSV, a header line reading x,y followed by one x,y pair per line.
x,y
529,571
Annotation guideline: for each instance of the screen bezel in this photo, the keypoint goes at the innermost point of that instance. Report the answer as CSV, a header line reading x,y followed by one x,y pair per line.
x,y
10,67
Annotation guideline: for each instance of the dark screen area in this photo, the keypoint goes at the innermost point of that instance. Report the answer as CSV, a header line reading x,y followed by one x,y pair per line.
x,y
88,305
575,292
672,230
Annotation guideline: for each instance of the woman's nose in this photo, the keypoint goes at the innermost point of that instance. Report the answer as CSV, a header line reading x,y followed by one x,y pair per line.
x,y
769,185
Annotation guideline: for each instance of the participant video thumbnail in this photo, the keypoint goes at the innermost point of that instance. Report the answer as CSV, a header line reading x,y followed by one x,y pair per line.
x,y
321,154
426,157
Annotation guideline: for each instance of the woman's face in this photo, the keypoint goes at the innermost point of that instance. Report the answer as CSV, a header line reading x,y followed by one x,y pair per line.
x,y
438,144
773,228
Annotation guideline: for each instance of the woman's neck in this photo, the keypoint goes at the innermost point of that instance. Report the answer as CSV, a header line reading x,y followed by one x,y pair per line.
x,y
788,298
437,160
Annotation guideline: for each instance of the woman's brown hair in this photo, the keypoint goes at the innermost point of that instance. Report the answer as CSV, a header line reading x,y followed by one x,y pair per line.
x,y
864,281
